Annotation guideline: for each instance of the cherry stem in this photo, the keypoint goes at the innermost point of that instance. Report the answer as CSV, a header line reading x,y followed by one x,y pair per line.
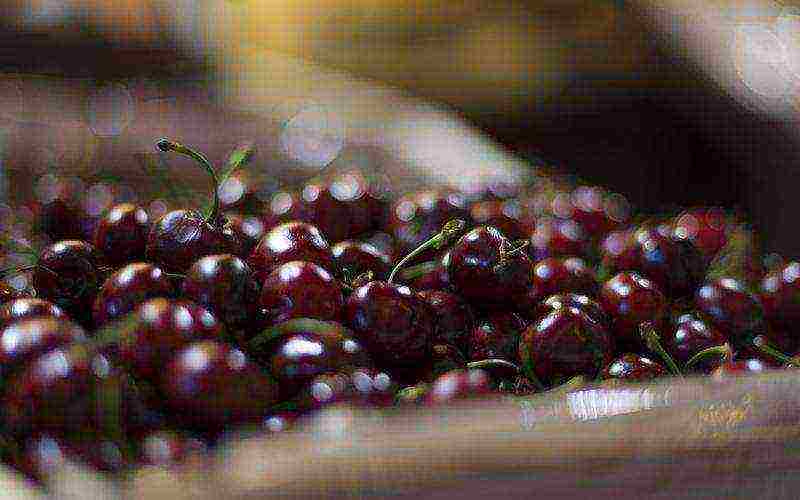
x,y
493,363
653,342
418,270
761,343
574,383
724,351
212,217
450,230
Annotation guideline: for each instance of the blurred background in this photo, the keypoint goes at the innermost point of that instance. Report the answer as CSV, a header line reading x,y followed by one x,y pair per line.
x,y
668,102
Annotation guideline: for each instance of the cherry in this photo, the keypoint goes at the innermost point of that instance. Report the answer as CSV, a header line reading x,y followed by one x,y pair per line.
x,y
59,218
129,287
485,269
454,317
27,338
730,307
779,292
631,367
564,344
496,336
226,286
300,289
284,206
211,385
338,205
706,228
596,209
67,273
738,368
417,216
361,386
357,257
23,308
165,448
689,336
149,336
180,237
248,229
583,303
394,324
555,275
458,384
121,234
506,215
288,242
430,275
554,237
630,299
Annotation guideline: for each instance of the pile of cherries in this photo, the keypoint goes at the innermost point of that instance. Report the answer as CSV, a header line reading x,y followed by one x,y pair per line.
x,y
150,341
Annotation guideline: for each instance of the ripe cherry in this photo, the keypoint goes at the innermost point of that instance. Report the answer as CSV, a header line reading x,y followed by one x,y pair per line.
x,y
496,336
357,257
630,299
287,242
300,289
248,229
180,237
633,368
689,336
458,384
554,237
454,317
418,216
706,228
18,309
27,338
121,234
730,307
338,205
554,275
211,385
583,303
505,215
564,344
67,273
164,448
486,269
129,287
226,286
779,292
739,368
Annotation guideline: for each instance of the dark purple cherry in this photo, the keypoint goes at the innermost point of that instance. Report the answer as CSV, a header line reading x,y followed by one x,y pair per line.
x,y
338,205
129,287
554,237
211,385
67,274
731,307
394,324
458,384
584,303
598,210
288,242
24,308
59,219
27,338
121,234
417,216
630,299
486,269
564,344
180,237
633,368
688,337
148,337
738,368
225,285
496,336
300,289
442,358
248,229
554,275
779,292
356,257
454,317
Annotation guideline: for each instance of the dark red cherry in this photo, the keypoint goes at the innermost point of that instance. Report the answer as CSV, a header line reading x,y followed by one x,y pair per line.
x,y
287,242
584,303
54,393
165,448
156,329
629,299
496,336
506,215
300,289
284,206
555,275
417,216
738,368
730,307
121,234
211,385
67,274
225,285
458,384
27,338
394,324
633,368
554,237
129,287
248,229
245,192
59,219
690,335
597,210
356,257
431,277
338,206
454,317
706,228
24,308
485,270
779,292
564,344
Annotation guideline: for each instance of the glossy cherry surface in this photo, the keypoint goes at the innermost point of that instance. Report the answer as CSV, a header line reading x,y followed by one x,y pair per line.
x,y
129,287
121,234
67,274
688,336
248,229
226,286
505,215
707,228
300,289
433,278
394,324
779,293
417,216
17,309
164,448
211,385
458,384
338,206
564,344
631,367
454,317
739,368
555,275
485,270
629,299
584,303
496,336
28,338
554,237
288,242
730,307
356,257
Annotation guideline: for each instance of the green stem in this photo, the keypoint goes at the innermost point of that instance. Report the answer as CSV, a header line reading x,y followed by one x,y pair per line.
x,y
493,363
212,217
724,351
653,342
760,343
437,241
414,272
